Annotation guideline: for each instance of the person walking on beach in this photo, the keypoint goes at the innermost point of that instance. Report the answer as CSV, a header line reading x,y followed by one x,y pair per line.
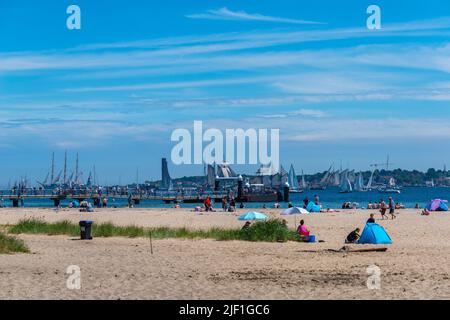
x,y
383,208
392,208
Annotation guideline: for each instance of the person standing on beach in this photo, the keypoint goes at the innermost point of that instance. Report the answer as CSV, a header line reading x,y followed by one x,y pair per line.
x,y
392,208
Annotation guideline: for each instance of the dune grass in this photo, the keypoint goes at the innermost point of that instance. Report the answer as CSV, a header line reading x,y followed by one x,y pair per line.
x,y
10,244
268,231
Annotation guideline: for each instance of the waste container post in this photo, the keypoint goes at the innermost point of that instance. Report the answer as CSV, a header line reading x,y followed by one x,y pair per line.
x,y
85,229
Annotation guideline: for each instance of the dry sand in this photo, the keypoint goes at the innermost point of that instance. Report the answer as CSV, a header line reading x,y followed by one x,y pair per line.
x,y
417,265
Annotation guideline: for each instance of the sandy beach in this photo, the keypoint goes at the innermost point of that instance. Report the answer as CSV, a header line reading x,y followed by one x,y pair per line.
x,y
415,266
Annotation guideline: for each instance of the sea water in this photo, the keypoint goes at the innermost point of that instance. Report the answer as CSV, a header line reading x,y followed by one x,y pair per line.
x,y
329,198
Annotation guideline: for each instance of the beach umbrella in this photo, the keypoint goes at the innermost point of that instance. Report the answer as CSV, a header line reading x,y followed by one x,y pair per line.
x,y
294,211
252,215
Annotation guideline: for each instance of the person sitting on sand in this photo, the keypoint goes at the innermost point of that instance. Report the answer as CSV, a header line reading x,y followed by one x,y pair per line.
x,y
346,205
401,206
303,231
241,206
246,225
425,212
305,203
353,236
370,205
371,219
316,199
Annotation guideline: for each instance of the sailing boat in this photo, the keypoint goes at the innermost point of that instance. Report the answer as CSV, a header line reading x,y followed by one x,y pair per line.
x,y
346,185
293,181
391,188
359,183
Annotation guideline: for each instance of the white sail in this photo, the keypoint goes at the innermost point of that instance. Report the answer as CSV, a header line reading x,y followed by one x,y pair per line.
x,y
349,185
369,183
392,182
359,184
337,180
292,179
346,185
303,181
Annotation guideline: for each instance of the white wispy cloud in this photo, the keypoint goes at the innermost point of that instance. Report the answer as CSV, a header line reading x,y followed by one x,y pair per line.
x,y
226,14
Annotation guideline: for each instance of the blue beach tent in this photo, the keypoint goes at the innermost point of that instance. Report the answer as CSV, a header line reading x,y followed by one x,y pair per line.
x,y
252,216
374,234
437,205
312,207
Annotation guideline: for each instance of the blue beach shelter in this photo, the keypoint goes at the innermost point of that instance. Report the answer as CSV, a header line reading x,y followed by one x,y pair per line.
x,y
252,215
312,207
374,234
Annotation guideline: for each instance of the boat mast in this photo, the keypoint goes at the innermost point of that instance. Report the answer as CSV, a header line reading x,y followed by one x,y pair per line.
x,y
65,167
76,170
53,167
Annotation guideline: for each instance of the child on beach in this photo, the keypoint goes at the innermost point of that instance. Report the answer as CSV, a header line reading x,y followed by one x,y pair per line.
x,y
353,236
371,219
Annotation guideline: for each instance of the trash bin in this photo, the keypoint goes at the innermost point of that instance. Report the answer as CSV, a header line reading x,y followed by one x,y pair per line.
x,y
85,229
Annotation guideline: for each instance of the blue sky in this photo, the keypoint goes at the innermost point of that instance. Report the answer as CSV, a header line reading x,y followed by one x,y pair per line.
x,y
116,89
